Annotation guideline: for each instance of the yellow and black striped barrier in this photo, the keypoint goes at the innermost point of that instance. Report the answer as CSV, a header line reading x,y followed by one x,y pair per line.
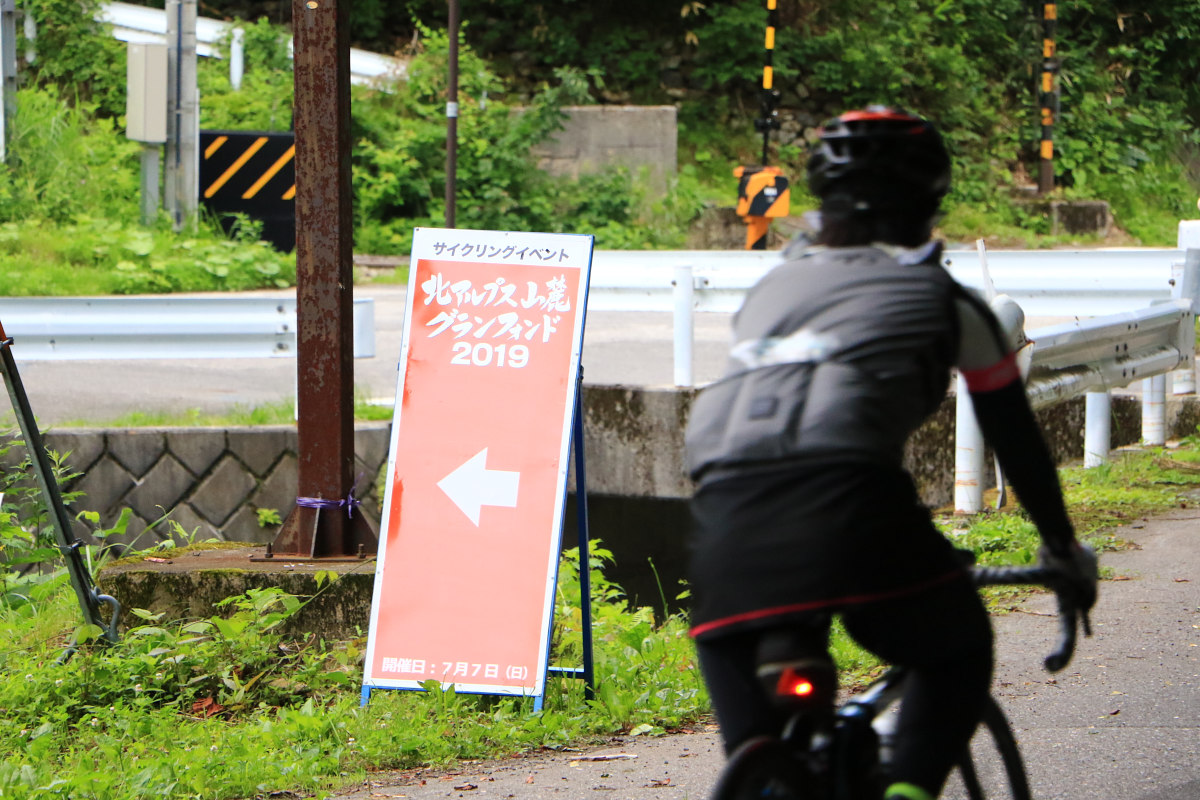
x,y
252,173
763,191
763,194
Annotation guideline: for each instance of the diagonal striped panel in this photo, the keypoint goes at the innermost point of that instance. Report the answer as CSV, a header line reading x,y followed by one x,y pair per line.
x,y
251,173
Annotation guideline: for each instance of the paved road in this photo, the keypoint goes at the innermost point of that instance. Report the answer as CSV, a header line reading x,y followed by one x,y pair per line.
x,y
1122,722
630,348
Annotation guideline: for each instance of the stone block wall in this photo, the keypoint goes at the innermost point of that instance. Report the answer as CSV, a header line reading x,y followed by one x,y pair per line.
x,y
211,481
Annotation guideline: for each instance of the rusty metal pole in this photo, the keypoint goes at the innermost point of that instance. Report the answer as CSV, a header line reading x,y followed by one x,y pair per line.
x,y
325,522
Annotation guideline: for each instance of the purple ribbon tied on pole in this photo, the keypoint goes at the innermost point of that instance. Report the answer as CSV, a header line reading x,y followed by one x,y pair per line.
x,y
349,502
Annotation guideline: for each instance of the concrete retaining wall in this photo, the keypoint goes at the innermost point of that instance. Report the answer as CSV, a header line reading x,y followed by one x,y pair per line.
x,y
595,137
213,481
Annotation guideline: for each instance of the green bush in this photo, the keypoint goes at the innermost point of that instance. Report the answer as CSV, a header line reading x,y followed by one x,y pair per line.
x,y
264,101
1128,126
64,159
76,54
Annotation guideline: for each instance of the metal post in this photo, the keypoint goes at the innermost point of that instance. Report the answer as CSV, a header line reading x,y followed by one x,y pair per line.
x,y
1154,410
182,191
1048,97
684,330
8,71
769,95
968,453
1186,277
324,522
585,551
237,58
452,116
1097,436
29,26
150,182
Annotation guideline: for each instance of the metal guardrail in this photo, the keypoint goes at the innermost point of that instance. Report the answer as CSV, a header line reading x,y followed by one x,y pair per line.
x,y
148,25
1112,351
73,328
1132,311
1090,357
1048,283
1044,282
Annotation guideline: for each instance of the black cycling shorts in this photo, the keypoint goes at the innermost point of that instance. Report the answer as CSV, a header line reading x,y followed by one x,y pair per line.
x,y
769,546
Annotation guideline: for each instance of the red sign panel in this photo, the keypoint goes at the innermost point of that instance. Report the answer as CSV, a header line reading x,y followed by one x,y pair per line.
x,y
472,519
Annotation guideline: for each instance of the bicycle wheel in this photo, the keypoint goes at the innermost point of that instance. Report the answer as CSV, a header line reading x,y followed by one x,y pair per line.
x,y
992,768
764,768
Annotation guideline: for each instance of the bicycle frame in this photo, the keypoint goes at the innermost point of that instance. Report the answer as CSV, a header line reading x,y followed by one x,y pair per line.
x,y
842,752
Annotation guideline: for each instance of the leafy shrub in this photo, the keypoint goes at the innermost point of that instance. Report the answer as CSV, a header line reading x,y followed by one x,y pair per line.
x,y
76,54
90,256
64,159
264,101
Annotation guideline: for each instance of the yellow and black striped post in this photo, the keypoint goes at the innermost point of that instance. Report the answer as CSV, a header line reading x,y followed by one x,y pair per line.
x,y
768,95
763,191
763,194
1048,97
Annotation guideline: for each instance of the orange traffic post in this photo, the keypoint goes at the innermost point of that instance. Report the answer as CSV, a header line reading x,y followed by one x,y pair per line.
x,y
763,194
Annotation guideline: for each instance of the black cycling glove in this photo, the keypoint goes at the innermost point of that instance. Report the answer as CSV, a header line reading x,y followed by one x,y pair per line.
x,y
1080,571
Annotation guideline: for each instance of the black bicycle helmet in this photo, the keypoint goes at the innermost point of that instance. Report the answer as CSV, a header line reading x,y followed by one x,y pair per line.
x,y
879,157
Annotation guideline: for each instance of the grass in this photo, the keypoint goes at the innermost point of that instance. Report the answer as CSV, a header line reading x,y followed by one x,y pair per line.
x,y
90,257
281,413
229,709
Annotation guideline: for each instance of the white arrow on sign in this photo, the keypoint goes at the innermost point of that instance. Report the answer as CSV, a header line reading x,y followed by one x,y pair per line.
x,y
472,486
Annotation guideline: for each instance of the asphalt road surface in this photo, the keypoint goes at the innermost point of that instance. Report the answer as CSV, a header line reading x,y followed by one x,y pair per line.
x,y
1121,722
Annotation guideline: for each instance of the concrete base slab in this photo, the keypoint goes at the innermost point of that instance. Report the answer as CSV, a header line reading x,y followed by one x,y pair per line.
x,y
188,583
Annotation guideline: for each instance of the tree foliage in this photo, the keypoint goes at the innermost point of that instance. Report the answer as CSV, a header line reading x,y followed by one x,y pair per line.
x,y
1129,82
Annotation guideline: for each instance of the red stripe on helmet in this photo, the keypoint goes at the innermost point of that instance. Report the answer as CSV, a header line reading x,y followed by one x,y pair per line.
x,y
868,115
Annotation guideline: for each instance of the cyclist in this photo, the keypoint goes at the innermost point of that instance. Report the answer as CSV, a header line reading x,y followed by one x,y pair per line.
x,y
803,508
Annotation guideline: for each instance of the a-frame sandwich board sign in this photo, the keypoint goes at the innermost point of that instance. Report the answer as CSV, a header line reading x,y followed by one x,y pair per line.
x,y
487,399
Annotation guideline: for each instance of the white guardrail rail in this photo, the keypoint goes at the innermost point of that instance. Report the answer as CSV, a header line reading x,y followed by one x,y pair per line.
x,y
1132,309
1151,334
149,26
1044,282
1091,357
70,328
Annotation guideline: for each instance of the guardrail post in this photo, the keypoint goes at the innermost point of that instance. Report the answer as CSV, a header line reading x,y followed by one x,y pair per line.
x,y
1154,410
1098,429
1185,279
237,57
684,291
968,453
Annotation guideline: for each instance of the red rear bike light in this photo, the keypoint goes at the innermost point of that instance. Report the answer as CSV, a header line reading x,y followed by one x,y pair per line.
x,y
793,684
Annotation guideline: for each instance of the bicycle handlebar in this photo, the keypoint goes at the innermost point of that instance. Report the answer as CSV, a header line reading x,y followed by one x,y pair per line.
x,y
1068,613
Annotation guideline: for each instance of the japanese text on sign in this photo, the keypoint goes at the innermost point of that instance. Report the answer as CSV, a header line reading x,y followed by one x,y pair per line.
x,y
509,252
452,670
498,309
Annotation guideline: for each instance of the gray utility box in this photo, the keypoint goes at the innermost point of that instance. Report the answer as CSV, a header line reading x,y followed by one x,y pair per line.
x,y
146,106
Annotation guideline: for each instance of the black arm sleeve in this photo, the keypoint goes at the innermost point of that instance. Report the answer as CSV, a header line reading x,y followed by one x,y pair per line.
x,y
1009,426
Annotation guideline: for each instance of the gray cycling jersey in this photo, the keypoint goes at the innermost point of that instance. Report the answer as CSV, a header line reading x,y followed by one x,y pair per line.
x,y
840,353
